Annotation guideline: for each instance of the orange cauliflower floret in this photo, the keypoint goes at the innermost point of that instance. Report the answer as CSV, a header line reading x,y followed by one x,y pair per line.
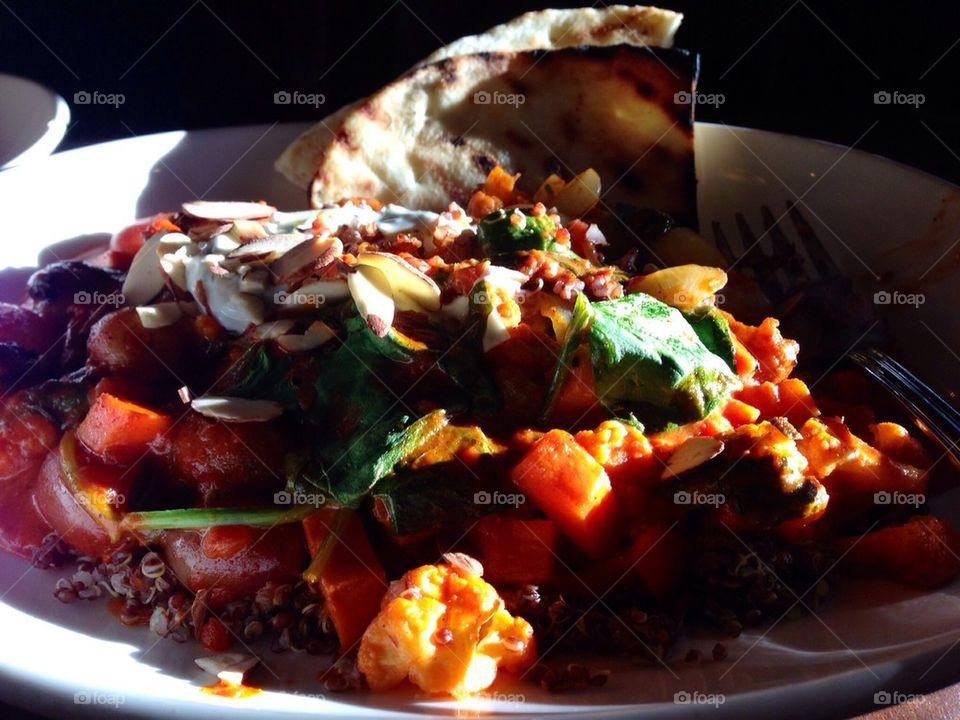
x,y
446,629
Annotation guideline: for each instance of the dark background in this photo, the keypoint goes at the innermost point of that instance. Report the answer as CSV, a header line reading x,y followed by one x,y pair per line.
x,y
805,67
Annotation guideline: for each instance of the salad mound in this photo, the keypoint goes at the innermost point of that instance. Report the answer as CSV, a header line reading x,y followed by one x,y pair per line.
x,y
428,442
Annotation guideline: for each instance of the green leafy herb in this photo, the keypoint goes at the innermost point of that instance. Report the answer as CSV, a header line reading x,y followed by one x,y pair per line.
x,y
714,332
64,400
412,501
262,375
644,354
498,234
434,487
348,475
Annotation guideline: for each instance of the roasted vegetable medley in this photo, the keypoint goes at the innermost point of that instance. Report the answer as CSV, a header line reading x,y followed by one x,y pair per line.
x,y
429,441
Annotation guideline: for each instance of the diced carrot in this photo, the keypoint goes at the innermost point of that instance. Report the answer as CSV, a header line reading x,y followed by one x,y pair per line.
x,y
628,457
501,184
745,362
894,440
352,580
481,204
120,431
924,552
655,560
740,413
517,550
571,488
789,398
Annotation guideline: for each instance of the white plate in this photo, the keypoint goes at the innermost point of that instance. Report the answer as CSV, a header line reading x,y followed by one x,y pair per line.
x,y
876,217
33,121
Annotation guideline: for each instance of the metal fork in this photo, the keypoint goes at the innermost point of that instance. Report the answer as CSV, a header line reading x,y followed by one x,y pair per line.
x,y
796,292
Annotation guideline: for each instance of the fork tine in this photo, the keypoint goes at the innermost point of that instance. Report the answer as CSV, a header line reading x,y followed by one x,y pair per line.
x,y
937,420
785,254
723,245
759,261
818,253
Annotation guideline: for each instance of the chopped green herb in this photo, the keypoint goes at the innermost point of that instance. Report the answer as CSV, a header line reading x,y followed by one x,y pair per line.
x,y
499,234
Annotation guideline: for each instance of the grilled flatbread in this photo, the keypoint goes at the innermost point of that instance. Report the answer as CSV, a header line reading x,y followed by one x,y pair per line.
x,y
557,29
433,134
540,30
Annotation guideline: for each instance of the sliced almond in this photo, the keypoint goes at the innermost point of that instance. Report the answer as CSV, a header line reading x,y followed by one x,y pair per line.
x,y
145,278
495,332
174,265
370,290
412,289
268,248
246,231
253,281
464,562
318,251
274,329
159,315
223,244
208,210
315,336
206,229
693,453
312,295
238,410
226,662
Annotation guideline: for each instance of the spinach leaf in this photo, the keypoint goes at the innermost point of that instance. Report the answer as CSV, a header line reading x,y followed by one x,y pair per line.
x,y
262,375
412,501
347,475
714,332
435,487
64,400
646,356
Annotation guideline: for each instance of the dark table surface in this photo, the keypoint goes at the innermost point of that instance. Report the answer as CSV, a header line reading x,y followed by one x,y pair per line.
x,y
798,66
